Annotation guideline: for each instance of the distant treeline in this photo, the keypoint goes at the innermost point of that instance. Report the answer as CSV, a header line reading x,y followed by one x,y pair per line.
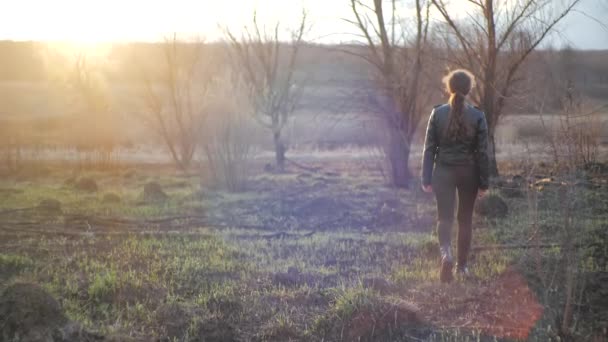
x,y
31,61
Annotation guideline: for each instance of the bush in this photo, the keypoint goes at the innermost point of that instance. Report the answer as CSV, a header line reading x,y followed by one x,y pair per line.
x,y
492,206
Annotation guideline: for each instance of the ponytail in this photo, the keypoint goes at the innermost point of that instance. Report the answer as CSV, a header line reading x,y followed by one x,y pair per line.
x,y
458,84
456,128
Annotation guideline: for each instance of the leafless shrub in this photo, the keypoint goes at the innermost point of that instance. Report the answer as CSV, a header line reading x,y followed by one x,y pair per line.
x,y
560,211
573,135
176,95
227,145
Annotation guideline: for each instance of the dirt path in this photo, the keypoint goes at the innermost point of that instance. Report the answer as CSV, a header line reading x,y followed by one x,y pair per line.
x,y
504,307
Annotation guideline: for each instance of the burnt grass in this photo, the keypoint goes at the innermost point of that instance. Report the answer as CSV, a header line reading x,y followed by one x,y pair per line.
x,y
332,255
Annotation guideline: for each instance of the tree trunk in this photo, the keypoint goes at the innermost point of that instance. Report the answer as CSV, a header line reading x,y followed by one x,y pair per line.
x,y
398,154
279,150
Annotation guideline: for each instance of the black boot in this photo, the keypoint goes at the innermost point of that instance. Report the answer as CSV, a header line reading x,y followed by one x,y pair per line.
x,y
447,263
462,271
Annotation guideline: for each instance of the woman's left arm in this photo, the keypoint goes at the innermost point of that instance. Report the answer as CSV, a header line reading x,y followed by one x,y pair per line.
x,y
430,150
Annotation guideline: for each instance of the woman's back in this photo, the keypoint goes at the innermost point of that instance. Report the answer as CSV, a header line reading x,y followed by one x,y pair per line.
x,y
460,150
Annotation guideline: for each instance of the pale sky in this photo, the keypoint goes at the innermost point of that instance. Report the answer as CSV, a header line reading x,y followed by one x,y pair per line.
x,y
151,20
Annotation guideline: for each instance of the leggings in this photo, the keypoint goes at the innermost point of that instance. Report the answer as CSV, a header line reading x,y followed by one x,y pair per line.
x,y
447,181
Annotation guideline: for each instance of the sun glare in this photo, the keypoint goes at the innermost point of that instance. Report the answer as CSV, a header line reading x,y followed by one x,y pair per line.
x,y
114,20
92,22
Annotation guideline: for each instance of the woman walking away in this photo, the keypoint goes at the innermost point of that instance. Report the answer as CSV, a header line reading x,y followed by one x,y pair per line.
x,y
455,160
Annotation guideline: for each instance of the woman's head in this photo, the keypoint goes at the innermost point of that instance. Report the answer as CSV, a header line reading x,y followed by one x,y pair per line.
x,y
458,83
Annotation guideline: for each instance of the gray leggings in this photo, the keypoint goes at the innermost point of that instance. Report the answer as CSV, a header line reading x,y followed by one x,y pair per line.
x,y
447,181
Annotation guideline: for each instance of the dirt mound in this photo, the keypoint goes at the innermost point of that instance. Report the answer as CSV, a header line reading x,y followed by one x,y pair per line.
x,y
389,215
322,206
366,324
513,188
293,277
129,174
379,284
29,313
86,184
492,206
51,206
215,330
179,322
153,192
379,321
173,319
274,330
111,198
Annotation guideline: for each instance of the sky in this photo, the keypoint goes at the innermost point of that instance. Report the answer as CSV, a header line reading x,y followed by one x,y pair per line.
x,y
151,20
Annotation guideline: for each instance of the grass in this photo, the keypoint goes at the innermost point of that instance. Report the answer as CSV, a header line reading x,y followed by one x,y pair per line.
x,y
240,282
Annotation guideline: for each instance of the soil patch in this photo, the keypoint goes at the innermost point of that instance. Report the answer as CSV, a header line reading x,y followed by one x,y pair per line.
x,y
504,307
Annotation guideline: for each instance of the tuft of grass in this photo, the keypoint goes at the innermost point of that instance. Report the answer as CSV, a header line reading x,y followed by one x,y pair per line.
x,y
13,264
103,286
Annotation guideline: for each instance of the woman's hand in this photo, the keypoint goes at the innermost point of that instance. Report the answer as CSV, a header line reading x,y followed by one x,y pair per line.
x,y
481,192
427,188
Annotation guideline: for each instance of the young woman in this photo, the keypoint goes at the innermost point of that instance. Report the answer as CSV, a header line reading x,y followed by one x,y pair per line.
x,y
455,161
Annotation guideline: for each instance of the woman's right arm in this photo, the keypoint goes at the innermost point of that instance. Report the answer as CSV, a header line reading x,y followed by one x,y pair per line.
x,y
430,150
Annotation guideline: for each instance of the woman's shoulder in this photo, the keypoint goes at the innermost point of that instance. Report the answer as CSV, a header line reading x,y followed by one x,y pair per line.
x,y
445,107
476,111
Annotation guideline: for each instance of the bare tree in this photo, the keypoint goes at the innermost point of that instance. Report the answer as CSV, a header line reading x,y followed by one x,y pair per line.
x,y
396,55
493,42
268,68
176,98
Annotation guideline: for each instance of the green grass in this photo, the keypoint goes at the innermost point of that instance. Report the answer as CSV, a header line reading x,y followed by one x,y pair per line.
x,y
302,288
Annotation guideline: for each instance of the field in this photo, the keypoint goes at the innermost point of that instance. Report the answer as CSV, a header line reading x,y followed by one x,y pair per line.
x,y
325,254
103,239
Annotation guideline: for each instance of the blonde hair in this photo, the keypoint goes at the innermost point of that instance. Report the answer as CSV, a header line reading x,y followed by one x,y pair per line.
x,y
458,84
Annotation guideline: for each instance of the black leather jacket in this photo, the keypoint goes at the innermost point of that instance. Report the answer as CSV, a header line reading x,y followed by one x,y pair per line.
x,y
472,150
